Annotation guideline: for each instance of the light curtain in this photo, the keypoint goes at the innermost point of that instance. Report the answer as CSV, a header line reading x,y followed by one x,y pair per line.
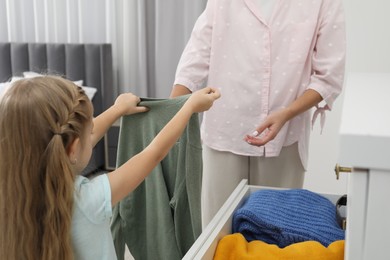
x,y
147,36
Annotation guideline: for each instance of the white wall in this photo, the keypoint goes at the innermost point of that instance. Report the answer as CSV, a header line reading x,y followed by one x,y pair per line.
x,y
368,50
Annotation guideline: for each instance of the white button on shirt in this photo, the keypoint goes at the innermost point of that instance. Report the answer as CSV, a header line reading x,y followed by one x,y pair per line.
x,y
263,64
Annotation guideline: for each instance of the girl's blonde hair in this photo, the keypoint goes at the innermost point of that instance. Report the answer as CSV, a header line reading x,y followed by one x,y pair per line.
x,y
39,118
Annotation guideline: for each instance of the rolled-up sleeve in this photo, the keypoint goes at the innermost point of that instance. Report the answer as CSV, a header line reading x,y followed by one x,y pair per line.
x,y
329,54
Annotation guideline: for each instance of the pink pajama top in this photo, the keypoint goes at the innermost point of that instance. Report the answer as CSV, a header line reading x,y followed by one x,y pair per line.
x,y
261,66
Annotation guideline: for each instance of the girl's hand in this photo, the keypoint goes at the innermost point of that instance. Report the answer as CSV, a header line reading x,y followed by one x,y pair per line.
x,y
127,104
203,99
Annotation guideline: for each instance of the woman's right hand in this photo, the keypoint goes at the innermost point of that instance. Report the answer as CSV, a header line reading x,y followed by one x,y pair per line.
x,y
203,99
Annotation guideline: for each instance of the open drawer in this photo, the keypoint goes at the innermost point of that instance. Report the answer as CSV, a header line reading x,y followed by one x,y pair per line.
x,y
221,225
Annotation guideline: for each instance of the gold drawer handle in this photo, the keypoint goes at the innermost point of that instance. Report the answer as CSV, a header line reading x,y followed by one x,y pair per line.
x,y
339,169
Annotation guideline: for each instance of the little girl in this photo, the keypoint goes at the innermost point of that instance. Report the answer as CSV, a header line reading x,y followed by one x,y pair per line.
x,y
47,132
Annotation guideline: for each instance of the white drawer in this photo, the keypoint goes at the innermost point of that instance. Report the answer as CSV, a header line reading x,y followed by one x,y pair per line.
x,y
368,225
365,147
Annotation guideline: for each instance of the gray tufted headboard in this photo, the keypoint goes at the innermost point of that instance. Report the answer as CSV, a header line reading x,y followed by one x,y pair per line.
x,y
91,63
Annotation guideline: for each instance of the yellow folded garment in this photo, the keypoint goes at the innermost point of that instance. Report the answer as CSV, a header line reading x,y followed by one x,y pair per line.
x,y
235,246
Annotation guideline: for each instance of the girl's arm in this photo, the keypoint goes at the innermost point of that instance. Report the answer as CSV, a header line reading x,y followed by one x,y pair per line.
x,y
128,176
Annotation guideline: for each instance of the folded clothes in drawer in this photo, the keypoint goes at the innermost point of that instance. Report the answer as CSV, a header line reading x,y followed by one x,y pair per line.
x,y
235,246
222,224
284,217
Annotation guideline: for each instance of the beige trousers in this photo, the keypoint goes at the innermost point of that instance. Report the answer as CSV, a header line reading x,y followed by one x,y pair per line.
x,y
223,171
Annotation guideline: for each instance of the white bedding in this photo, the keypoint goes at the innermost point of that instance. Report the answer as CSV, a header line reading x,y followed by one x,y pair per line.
x,y
4,86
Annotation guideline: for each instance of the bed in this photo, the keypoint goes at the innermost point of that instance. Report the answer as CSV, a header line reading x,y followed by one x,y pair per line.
x,y
89,63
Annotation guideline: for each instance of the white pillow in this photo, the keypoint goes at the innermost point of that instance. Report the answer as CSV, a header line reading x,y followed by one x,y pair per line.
x,y
4,86
89,91
31,74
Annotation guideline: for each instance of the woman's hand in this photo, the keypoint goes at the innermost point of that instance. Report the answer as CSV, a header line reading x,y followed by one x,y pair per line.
x,y
268,130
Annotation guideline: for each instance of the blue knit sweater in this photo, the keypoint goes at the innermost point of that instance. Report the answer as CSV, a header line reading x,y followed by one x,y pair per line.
x,y
284,217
